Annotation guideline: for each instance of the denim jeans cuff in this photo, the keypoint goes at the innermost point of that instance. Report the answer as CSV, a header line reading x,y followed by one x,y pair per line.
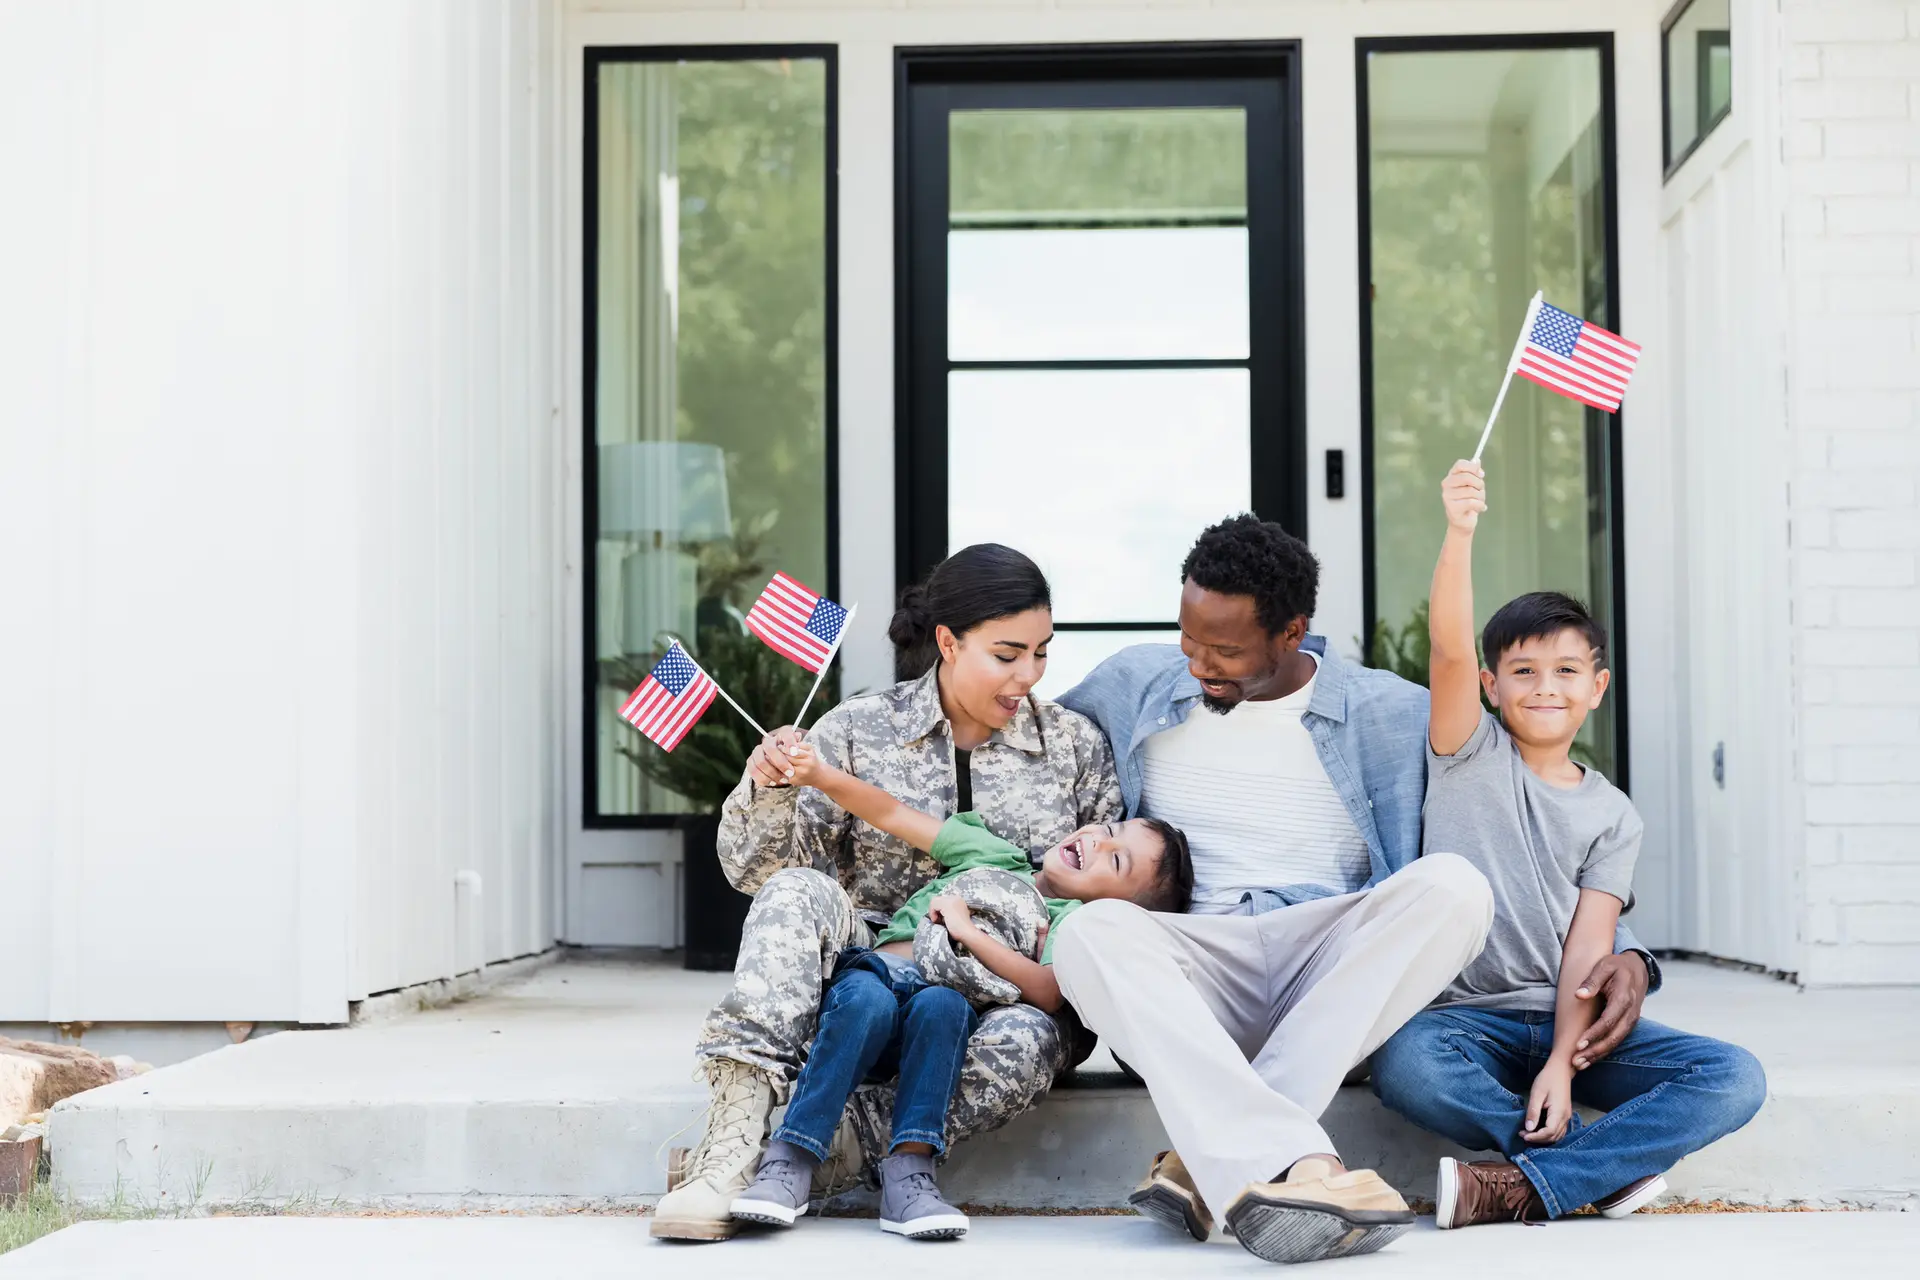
x,y
816,1149
938,1141
1524,1163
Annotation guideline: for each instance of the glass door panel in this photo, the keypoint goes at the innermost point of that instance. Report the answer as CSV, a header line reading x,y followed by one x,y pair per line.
x,y
1486,179
1098,290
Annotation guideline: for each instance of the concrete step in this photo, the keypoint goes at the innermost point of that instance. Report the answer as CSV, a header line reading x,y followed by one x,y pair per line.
x,y
565,1089
1860,1246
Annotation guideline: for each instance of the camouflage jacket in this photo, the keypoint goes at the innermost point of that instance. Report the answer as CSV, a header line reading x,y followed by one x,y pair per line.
x,y
1047,773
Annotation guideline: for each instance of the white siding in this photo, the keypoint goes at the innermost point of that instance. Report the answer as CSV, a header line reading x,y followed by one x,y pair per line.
x,y
1736,888
277,469
1851,95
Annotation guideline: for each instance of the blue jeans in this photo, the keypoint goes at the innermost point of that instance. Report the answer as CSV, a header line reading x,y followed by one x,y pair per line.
x,y
1465,1074
880,1018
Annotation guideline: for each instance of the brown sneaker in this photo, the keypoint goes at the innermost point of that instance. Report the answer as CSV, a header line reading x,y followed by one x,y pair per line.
x,y
1318,1212
1486,1191
1169,1197
1632,1197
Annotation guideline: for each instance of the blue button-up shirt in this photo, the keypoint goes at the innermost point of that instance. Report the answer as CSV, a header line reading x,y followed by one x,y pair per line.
x,y
1368,726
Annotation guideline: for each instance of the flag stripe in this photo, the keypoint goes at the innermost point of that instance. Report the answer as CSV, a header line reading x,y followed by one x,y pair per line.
x,y
1568,392
1559,377
1572,375
1607,338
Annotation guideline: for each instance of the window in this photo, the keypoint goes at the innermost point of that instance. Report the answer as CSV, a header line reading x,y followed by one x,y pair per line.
x,y
1486,174
709,315
1098,258
1696,74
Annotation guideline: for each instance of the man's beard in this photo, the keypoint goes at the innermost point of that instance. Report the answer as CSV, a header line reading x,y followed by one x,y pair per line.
x,y
1219,706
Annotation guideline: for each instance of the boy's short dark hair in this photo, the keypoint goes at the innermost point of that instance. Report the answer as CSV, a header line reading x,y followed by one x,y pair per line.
x,y
1535,616
1248,556
1172,888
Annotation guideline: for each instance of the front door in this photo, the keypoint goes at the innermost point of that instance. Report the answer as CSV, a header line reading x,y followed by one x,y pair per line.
x,y
1100,324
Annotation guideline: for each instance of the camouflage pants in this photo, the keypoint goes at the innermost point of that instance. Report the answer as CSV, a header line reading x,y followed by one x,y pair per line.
x,y
800,922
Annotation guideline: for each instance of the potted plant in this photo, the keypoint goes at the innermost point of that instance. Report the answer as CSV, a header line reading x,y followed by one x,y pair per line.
x,y
706,766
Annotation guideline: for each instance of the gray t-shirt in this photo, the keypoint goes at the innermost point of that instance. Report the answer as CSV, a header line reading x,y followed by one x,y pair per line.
x,y
1538,845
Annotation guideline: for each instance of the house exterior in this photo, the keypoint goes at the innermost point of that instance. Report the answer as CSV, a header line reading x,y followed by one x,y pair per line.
x,y
381,382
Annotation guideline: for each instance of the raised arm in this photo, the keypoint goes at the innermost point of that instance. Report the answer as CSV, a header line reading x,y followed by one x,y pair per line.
x,y
768,826
1453,669
863,800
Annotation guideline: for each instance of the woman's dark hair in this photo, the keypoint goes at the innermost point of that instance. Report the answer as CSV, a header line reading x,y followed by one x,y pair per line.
x,y
1248,556
1537,616
973,585
1173,879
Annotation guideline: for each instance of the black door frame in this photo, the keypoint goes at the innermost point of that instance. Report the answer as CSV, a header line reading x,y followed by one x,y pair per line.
x,y
1601,42
929,83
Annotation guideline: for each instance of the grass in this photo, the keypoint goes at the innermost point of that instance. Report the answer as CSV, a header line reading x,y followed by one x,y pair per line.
x,y
42,1211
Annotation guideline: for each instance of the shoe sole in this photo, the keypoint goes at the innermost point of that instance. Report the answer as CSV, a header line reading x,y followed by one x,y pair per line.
x,y
1447,1193
1637,1201
1307,1231
765,1212
691,1231
945,1227
1169,1206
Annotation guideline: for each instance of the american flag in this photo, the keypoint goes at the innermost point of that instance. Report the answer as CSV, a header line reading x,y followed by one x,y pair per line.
x,y
670,699
796,622
1580,360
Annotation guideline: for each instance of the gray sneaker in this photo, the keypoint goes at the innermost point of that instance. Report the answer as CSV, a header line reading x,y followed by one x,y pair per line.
x,y
910,1203
779,1192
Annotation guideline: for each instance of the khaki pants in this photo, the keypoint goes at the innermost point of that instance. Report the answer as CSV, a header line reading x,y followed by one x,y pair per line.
x,y
1244,1026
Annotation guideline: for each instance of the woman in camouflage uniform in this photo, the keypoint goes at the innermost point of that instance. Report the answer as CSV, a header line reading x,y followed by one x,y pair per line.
x,y
960,731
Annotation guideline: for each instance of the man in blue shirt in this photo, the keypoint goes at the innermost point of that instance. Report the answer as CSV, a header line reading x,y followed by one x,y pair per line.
x,y
1317,927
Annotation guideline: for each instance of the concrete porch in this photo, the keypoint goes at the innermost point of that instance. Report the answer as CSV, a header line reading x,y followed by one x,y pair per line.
x,y
563,1088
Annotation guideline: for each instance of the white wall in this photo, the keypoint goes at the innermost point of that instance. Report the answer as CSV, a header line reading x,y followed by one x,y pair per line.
x,y
277,515
1850,83
1737,886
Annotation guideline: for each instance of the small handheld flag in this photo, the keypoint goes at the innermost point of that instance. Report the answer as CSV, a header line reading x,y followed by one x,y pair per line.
x,y
1565,354
797,623
671,699
1577,358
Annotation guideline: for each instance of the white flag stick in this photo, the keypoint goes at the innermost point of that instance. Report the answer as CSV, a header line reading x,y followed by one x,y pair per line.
x,y
846,625
719,688
1513,362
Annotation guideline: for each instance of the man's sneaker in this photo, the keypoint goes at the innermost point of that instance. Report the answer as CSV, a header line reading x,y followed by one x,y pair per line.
x,y
1632,1197
720,1168
1169,1197
910,1203
778,1193
1485,1191
1317,1212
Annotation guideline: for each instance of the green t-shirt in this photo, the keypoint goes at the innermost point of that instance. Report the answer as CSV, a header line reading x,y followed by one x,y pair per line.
x,y
964,843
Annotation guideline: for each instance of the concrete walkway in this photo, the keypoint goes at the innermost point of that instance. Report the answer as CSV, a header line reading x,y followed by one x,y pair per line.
x,y
560,1090
1859,1246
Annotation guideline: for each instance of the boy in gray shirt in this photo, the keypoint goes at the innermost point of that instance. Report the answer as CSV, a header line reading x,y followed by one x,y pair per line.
x,y
1495,1063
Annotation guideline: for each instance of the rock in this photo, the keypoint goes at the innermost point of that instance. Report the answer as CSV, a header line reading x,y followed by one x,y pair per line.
x,y
19,1166
34,1076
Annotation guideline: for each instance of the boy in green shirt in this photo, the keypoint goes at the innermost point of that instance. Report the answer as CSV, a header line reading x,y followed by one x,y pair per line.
x,y
880,1015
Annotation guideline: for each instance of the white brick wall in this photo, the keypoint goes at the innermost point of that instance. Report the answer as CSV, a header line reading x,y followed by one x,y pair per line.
x,y
1851,145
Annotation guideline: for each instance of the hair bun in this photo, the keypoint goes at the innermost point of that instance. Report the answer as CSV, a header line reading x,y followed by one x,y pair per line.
x,y
912,624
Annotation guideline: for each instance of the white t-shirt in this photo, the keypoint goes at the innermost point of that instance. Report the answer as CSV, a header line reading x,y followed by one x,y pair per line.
x,y
1258,808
